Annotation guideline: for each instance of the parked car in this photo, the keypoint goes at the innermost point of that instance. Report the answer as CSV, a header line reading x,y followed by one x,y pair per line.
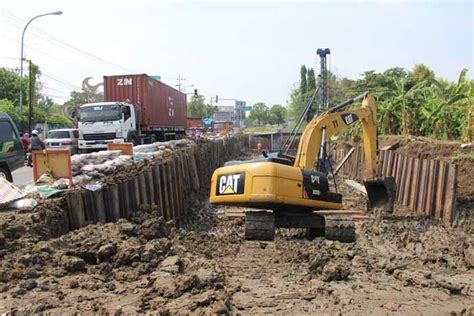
x,y
12,155
66,138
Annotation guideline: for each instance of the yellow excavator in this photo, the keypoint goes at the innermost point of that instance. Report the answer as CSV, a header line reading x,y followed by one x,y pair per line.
x,y
290,188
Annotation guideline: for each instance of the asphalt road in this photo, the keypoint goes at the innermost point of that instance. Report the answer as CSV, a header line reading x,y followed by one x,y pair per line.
x,y
22,176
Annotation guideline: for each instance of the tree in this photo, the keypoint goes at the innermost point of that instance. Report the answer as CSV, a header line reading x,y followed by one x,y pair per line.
x,y
303,81
277,114
78,98
197,108
10,86
311,85
59,121
260,112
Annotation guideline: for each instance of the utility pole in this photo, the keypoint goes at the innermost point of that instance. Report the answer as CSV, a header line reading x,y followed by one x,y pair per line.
x,y
179,82
30,100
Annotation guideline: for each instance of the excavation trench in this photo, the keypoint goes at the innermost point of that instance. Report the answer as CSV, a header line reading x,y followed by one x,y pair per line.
x,y
145,263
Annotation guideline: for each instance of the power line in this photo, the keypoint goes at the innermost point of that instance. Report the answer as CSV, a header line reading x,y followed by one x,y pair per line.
x,y
60,80
58,42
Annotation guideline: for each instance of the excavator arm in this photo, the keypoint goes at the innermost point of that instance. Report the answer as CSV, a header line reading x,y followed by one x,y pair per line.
x,y
323,127
380,191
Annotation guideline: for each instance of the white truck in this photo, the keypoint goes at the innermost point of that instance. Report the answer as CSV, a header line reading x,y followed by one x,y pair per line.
x,y
106,122
137,109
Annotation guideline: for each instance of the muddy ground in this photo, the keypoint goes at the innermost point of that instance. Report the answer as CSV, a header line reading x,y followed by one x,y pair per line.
x,y
399,264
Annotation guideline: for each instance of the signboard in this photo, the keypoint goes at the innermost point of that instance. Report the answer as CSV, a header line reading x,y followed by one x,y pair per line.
x,y
126,148
57,163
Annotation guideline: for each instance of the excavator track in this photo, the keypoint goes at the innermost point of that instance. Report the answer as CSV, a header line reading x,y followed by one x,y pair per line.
x,y
261,225
340,228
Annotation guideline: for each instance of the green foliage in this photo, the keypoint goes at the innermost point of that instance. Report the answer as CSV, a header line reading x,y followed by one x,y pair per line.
x,y
197,108
465,156
277,114
408,102
59,121
303,80
8,107
260,113
78,98
311,85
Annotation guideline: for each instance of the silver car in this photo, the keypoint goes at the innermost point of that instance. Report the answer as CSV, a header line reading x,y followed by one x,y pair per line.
x,y
66,138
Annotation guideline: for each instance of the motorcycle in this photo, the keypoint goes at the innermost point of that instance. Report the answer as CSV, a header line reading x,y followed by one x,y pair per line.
x,y
28,159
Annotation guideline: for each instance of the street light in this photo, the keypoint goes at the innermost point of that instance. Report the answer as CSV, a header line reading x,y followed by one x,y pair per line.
x,y
21,57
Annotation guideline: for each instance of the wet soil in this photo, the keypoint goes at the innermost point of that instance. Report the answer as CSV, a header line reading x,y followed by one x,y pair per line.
x,y
403,265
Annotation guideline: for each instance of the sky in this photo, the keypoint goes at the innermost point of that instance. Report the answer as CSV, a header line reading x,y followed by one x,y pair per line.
x,y
247,50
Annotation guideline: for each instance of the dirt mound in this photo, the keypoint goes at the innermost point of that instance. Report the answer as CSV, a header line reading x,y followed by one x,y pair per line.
x,y
149,261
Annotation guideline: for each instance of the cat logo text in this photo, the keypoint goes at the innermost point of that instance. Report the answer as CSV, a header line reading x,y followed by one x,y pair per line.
x,y
228,184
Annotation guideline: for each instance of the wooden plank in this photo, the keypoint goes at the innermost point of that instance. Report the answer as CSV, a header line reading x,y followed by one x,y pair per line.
x,y
142,188
157,186
398,161
99,206
171,190
89,207
390,172
344,160
415,184
136,188
440,189
75,203
380,162
124,199
403,176
431,189
450,197
176,194
112,204
150,190
194,172
164,191
409,177
420,205
383,162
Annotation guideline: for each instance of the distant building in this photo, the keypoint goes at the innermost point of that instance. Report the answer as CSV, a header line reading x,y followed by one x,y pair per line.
x,y
231,111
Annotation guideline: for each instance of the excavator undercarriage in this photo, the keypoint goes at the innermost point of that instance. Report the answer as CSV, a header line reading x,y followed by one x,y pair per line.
x,y
260,225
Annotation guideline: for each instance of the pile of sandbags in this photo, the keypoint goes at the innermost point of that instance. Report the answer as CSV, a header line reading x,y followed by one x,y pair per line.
x,y
86,167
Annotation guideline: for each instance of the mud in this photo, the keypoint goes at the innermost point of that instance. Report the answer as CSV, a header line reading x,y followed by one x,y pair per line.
x,y
398,264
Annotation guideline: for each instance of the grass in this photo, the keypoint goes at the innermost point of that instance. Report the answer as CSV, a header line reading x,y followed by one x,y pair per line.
x,y
262,129
465,156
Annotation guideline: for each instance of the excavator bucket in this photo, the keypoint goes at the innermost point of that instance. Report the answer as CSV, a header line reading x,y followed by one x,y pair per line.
x,y
381,194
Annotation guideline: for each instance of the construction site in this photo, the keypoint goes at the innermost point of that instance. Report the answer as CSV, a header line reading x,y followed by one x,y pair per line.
x,y
147,240
347,196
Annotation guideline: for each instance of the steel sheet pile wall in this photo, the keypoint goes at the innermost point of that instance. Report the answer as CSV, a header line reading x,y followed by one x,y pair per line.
x,y
171,186
425,186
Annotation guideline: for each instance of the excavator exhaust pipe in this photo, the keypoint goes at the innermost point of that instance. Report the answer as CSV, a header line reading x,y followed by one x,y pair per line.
x,y
381,194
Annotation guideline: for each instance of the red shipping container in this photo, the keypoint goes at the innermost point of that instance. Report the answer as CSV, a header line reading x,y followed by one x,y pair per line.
x,y
160,107
194,122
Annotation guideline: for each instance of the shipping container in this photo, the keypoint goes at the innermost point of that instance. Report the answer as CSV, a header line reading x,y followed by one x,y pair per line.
x,y
159,106
194,122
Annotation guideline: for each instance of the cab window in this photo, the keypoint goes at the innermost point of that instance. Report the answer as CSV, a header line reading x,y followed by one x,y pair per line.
x,y
7,133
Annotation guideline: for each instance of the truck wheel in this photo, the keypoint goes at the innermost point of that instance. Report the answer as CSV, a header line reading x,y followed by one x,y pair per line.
x,y
153,139
134,140
5,173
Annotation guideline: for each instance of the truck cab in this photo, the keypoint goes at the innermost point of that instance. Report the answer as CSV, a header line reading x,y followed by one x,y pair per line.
x,y
106,122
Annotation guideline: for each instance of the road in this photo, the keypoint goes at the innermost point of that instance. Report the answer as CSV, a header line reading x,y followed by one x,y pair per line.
x,y
22,176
